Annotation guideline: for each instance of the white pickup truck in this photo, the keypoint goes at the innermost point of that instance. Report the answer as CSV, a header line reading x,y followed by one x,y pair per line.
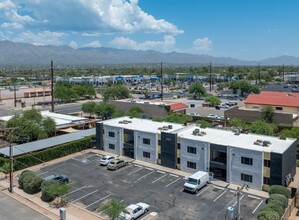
x,y
133,211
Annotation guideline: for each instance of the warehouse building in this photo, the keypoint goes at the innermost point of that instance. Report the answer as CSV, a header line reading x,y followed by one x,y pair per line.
x,y
257,160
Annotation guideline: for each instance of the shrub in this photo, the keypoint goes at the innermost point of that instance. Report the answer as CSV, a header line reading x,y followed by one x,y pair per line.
x,y
32,184
277,189
278,198
276,207
52,189
23,174
268,215
5,167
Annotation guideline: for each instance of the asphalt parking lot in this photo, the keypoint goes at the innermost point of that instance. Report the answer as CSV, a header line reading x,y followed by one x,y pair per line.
x,y
93,184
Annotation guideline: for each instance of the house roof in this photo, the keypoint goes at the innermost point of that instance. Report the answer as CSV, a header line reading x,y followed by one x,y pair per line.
x,y
177,106
288,99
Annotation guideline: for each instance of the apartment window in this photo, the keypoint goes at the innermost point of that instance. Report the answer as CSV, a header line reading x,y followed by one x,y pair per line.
x,y
159,142
112,146
179,160
146,141
159,156
179,146
191,165
267,163
266,180
111,134
103,131
146,154
278,108
245,177
246,160
191,150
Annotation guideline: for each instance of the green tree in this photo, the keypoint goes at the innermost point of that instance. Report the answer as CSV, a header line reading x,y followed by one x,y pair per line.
x,y
32,183
89,107
197,89
261,127
203,123
177,118
115,92
267,113
236,122
135,112
212,100
30,126
290,133
52,189
112,208
104,110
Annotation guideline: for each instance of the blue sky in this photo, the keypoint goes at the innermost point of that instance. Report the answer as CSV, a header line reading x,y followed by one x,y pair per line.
x,y
242,29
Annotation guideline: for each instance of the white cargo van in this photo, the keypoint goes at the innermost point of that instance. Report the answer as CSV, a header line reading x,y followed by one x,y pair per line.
x,y
196,181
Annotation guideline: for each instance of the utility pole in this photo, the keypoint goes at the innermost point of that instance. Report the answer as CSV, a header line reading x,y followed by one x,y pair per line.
x,y
15,94
161,83
239,193
283,72
52,86
10,162
259,68
210,76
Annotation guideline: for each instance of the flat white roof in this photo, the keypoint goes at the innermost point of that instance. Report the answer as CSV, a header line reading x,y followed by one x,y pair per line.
x,y
145,125
245,141
215,136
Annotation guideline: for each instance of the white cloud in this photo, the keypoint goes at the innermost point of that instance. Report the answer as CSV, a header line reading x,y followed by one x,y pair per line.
x,y
93,15
73,44
42,38
94,44
204,44
166,45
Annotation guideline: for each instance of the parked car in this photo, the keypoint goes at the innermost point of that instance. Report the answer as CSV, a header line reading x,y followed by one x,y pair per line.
x,y
193,114
212,116
58,178
224,105
115,164
233,103
106,159
134,211
217,107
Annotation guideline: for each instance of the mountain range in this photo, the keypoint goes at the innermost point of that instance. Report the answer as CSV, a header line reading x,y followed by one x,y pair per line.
x,y
27,54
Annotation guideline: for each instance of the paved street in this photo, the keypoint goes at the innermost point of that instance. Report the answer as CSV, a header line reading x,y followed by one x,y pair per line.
x,y
163,191
11,209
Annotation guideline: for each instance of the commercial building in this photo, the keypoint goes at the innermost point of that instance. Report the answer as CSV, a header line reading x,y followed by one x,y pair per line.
x,y
285,105
152,108
259,161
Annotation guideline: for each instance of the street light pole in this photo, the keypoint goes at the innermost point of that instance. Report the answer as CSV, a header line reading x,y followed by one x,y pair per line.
x,y
10,162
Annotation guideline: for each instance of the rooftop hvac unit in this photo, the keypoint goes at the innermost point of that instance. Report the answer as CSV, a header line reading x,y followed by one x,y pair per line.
x,y
266,143
199,134
165,127
203,132
160,128
169,126
196,130
129,121
120,122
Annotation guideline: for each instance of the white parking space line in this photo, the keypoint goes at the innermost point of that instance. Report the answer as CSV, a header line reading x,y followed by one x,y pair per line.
x,y
75,190
135,171
97,201
202,191
95,155
232,191
254,197
220,195
148,168
72,182
173,182
173,175
182,190
237,201
137,165
145,175
96,159
159,178
120,170
218,187
257,206
85,195
43,173
158,171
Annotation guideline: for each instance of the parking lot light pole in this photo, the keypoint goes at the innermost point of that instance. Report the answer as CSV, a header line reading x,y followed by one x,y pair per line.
x,y
238,193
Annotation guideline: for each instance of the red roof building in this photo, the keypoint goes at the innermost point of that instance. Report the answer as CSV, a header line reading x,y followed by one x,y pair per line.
x,y
279,100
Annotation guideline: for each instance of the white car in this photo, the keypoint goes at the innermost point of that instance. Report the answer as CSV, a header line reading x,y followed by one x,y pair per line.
x,y
106,159
212,116
134,211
